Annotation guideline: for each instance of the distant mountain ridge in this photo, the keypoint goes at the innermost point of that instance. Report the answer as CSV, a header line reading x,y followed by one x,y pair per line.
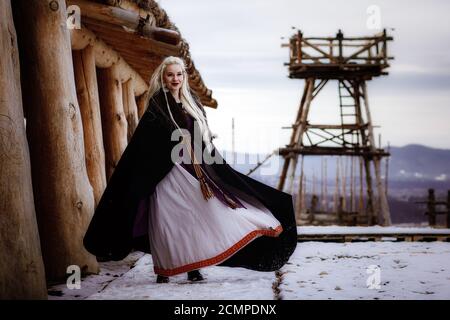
x,y
417,161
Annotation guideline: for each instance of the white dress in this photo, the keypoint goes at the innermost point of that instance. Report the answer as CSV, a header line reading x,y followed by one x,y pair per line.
x,y
186,232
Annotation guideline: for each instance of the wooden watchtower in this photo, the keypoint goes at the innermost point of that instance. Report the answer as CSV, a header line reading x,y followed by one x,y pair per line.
x,y
349,62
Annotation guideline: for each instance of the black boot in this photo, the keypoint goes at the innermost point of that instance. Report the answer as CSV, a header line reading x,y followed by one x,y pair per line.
x,y
195,276
162,279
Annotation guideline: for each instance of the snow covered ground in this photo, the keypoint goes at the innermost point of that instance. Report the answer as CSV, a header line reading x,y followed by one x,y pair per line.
x,y
139,283
407,270
316,270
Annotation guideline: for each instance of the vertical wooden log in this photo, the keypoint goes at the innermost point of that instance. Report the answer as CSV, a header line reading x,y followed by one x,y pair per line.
x,y
313,209
303,195
322,192
383,203
301,128
431,208
114,122
314,203
382,198
299,47
361,210
340,37
293,169
87,93
330,48
337,192
63,195
344,182
352,185
448,209
287,160
293,141
372,219
340,211
314,191
299,201
325,200
130,107
22,273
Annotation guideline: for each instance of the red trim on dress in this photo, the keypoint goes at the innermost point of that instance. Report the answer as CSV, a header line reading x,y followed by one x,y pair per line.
x,y
221,257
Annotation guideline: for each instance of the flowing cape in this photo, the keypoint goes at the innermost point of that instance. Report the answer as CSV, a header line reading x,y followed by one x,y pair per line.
x,y
145,162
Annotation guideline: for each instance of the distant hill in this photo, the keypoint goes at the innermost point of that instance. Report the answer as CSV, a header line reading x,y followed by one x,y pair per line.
x,y
419,162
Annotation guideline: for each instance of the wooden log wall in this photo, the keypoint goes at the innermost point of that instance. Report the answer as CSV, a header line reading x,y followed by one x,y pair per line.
x,y
81,103
98,70
22,273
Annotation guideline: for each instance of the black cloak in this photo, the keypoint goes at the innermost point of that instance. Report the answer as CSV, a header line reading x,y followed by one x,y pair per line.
x,y
145,162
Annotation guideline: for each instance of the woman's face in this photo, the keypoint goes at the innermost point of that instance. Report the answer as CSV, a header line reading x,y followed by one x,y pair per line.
x,y
173,77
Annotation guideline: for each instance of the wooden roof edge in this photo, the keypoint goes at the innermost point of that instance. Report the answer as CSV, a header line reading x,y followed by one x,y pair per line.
x,y
160,19
106,56
133,21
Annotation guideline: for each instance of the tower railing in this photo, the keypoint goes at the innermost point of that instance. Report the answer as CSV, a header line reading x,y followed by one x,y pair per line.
x,y
326,56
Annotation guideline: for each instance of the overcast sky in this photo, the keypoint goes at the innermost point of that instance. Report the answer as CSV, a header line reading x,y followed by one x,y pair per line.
x,y
236,46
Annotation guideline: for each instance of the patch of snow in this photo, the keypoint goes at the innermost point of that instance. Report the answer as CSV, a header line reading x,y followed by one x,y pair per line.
x,y
109,271
408,270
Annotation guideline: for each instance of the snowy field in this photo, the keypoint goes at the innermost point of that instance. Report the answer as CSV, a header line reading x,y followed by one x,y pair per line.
x,y
139,282
405,270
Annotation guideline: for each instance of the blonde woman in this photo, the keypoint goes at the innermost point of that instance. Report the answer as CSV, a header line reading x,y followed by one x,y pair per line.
x,y
174,196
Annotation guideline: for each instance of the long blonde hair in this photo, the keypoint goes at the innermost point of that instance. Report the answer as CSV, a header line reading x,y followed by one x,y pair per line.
x,y
157,82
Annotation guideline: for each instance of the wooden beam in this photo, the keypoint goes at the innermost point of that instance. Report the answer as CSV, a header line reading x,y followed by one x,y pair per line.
x,y
125,18
120,35
335,126
22,274
330,151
